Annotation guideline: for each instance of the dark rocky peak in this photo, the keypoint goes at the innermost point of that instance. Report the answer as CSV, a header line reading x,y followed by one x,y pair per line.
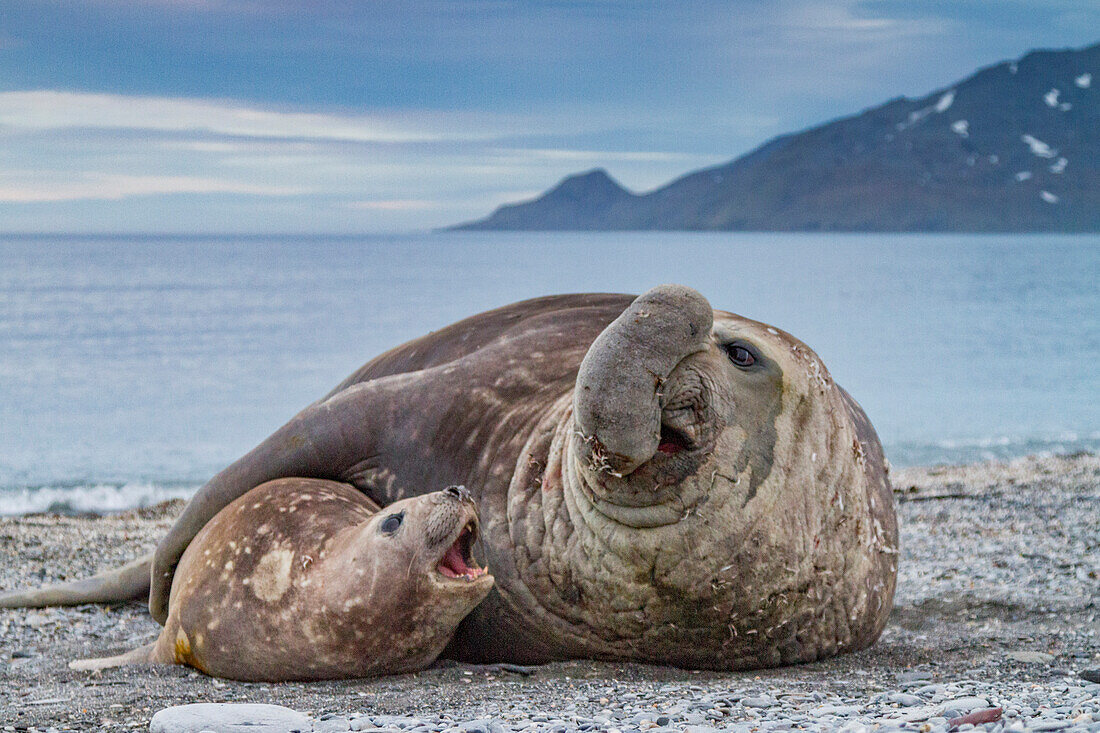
x,y
593,186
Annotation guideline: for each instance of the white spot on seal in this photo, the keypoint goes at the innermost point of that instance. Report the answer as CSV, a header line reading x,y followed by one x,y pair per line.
x,y
271,578
772,331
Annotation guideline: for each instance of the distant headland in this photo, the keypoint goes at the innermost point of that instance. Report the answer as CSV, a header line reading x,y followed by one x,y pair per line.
x,y
1014,147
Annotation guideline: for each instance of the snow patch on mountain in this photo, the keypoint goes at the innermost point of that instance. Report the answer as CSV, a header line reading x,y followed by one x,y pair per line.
x,y
942,105
1038,147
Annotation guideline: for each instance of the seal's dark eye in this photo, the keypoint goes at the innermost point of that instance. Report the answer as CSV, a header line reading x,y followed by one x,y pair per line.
x,y
740,354
391,523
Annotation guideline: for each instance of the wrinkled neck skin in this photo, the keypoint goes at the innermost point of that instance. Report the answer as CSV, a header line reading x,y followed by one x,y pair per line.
x,y
775,557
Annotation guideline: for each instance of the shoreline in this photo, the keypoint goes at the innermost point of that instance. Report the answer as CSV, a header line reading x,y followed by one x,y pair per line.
x,y
998,600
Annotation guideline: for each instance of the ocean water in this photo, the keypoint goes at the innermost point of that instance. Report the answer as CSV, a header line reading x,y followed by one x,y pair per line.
x,y
132,369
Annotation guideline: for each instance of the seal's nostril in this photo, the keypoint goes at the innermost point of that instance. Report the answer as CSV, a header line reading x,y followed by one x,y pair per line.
x,y
458,492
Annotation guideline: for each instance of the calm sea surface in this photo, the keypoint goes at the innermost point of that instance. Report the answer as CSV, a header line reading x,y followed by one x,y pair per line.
x,y
132,370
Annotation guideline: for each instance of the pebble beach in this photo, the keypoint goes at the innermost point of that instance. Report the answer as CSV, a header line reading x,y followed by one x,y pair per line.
x,y
996,619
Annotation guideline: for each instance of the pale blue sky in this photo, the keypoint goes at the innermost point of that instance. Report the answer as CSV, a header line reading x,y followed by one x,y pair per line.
x,y
370,115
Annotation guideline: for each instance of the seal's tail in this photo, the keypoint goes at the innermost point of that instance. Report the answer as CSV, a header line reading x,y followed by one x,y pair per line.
x,y
137,656
126,583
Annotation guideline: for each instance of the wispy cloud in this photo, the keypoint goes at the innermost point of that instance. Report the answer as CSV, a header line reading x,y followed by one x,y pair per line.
x,y
828,18
49,109
583,156
53,186
392,205
133,159
233,122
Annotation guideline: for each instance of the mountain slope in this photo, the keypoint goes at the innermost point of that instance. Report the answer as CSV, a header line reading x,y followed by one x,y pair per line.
x,y
1014,147
581,201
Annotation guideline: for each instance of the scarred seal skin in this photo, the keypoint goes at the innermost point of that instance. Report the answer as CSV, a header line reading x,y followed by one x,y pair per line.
x,y
658,481
302,579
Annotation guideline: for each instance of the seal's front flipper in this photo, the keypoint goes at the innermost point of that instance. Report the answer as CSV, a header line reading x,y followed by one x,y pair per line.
x,y
129,582
140,655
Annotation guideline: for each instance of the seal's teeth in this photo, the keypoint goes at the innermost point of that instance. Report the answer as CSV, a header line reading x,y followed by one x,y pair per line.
x,y
459,561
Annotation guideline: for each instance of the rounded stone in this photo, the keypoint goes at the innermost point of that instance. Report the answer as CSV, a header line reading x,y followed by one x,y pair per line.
x,y
221,717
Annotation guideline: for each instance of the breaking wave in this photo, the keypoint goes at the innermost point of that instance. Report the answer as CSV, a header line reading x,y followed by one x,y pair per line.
x,y
90,498
996,448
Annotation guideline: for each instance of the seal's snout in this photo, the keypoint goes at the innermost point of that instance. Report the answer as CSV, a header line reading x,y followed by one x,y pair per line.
x,y
460,493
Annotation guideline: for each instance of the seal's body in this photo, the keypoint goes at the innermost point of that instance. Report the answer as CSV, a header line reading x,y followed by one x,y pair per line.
x,y
658,481
302,579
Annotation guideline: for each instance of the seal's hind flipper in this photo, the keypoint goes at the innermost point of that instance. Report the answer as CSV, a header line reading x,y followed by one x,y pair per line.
x,y
136,656
129,582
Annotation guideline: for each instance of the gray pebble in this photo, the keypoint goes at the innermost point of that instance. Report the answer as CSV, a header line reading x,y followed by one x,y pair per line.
x,y
229,718
1028,657
394,721
930,689
331,724
913,676
1042,725
966,704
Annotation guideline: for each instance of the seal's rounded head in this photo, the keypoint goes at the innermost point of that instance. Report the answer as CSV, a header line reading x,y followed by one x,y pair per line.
x,y
432,538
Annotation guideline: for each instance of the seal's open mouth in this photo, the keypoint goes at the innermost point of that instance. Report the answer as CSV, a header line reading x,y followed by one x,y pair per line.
x,y
458,561
673,440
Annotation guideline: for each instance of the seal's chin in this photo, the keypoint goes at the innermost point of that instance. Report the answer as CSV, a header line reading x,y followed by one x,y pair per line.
x,y
458,561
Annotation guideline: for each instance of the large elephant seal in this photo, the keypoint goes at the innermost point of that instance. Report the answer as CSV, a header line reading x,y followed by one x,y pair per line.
x,y
303,579
657,481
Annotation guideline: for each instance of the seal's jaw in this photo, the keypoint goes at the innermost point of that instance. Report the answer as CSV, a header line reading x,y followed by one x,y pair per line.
x,y
457,565
458,561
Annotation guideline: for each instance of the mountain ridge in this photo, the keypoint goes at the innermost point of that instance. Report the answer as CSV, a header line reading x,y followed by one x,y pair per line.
x,y
1015,146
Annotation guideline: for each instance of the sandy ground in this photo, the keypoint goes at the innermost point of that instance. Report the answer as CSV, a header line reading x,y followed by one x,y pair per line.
x,y
997,559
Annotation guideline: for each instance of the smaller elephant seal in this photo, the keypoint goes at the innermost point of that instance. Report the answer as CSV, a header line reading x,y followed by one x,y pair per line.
x,y
306,579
